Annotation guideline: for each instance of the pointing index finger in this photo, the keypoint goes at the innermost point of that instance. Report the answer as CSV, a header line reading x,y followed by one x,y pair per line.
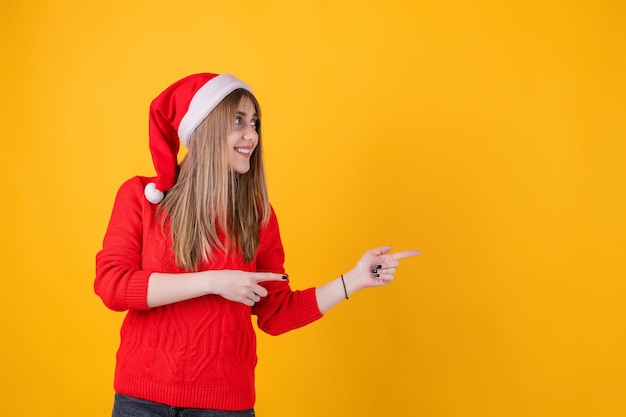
x,y
269,276
403,254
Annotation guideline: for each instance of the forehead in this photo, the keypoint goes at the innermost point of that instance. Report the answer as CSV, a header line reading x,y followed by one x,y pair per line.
x,y
246,106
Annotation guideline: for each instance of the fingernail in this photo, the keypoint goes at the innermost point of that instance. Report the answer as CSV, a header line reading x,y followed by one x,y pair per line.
x,y
376,275
374,271
378,266
285,277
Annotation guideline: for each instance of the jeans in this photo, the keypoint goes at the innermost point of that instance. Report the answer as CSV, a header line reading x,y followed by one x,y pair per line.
x,y
126,406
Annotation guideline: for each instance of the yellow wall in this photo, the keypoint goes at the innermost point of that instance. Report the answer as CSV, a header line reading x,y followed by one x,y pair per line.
x,y
489,135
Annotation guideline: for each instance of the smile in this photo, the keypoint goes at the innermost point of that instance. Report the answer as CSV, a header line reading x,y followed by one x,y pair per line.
x,y
245,151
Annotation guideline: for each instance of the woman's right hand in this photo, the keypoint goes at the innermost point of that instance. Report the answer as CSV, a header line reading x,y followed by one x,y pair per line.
x,y
241,286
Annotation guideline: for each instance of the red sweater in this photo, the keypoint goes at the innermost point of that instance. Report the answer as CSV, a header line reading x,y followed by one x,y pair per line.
x,y
199,353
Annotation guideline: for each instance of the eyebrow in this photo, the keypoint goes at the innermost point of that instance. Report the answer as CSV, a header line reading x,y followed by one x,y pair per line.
x,y
243,113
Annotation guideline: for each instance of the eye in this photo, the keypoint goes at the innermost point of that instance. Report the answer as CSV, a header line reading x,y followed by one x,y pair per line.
x,y
255,124
238,121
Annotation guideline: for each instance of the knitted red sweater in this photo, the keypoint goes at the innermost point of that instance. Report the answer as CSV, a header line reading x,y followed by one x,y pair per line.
x,y
199,353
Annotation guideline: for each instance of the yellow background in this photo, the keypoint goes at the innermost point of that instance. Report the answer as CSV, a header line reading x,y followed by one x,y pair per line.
x,y
489,135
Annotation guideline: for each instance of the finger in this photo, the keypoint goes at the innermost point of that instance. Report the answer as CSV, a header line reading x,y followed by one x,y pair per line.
x,y
393,264
389,263
260,291
401,255
269,276
384,274
380,250
386,270
384,280
386,265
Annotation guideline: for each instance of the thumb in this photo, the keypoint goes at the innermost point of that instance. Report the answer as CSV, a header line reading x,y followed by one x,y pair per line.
x,y
381,250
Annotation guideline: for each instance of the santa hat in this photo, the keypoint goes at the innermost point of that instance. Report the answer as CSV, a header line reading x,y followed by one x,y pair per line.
x,y
174,115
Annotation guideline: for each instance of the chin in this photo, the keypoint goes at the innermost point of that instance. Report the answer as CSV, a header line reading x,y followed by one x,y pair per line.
x,y
241,170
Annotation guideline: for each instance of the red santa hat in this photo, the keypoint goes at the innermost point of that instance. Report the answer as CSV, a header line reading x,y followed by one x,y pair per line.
x,y
174,115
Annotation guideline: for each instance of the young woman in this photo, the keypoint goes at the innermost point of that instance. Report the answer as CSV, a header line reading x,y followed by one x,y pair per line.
x,y
192,253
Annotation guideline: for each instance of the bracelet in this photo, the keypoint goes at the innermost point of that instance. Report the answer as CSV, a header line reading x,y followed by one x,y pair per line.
x,y
344,287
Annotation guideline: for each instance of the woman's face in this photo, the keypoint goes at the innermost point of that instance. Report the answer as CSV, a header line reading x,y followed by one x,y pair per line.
x,y
242,138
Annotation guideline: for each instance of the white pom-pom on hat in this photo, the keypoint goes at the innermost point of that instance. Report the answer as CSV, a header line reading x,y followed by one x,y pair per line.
x,y
152,194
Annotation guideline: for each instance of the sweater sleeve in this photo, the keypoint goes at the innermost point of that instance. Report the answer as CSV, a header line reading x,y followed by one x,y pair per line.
x,y
120,281
283,309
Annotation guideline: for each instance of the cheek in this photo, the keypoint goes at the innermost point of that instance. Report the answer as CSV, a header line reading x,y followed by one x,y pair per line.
x,y
231,139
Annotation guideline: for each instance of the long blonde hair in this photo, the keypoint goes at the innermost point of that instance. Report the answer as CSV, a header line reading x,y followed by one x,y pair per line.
x,y
209,197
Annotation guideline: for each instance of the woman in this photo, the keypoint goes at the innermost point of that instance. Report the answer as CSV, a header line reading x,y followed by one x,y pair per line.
x,y
194,252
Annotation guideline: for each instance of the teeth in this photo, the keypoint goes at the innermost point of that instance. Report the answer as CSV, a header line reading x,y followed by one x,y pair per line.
x,y
243,150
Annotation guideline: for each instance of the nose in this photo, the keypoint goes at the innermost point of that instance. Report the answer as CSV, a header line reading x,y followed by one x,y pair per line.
x,y
250,133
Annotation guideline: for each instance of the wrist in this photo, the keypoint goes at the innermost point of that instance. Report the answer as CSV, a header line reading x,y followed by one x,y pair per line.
x,y
350,283
345,290
208,282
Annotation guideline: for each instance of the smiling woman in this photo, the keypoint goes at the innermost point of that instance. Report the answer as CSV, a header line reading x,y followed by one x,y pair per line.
x,y
193,253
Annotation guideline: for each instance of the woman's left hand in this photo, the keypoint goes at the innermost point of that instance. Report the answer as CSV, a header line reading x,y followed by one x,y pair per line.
x,y
375,268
